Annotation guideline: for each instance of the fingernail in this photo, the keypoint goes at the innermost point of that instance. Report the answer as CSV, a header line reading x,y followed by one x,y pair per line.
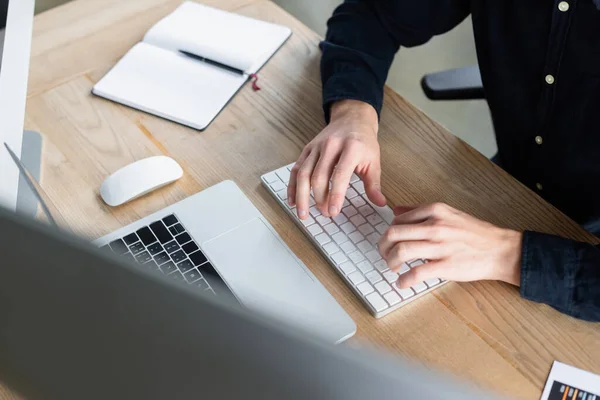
x,y
333,210
302,213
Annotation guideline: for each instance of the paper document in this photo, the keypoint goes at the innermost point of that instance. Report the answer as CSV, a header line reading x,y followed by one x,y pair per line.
x,y
570,383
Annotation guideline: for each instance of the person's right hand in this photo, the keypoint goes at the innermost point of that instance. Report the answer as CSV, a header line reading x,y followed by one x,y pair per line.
x,y
347,145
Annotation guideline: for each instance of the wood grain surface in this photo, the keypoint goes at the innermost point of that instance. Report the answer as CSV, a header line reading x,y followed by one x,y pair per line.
x,y
483,332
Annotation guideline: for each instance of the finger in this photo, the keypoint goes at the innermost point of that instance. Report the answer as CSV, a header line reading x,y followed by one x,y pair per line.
x,y
323,171
407,251
341,180
398,210
430,270
294,176
372,180
422,213
303,184
406,233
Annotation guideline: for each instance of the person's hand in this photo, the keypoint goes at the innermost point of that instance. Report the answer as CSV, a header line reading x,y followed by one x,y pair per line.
x,y
459,247
347,145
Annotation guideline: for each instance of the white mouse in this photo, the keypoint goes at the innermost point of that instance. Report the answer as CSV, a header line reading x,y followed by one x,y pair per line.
x,y
139,178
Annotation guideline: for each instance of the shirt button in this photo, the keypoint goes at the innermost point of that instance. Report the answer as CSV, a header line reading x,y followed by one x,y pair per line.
x,y
563,6
549,79
539,186
539,140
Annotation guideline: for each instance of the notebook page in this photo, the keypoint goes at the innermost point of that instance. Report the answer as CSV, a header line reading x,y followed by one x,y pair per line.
x,y
169,85
234,40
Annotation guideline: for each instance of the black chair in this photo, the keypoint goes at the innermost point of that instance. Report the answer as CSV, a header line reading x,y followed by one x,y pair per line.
x,y
454,84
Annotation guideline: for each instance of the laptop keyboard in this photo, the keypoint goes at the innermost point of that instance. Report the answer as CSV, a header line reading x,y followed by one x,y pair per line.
x,y
164,245
349,242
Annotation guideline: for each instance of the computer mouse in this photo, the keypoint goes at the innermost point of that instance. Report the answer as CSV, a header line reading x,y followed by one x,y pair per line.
x,y
138,179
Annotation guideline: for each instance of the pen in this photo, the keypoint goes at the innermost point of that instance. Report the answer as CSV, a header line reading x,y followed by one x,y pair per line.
x,y
211,62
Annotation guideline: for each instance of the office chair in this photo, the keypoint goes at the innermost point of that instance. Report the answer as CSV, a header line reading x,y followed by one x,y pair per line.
x,y
454,84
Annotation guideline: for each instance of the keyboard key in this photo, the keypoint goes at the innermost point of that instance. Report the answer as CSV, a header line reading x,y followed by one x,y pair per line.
x,y
351,193
331,229
356,277
177,276
176,229
314,211
365,288
404,293
347,268
340,238
277,186
146,235
339,258
168,268
354,178
270,177
128,257
172,247
155,248
311,201
374,277
356,237
198,258
403,269
384,212
348,227
151,265
207,269
373,238
192,276
356,257
419,287
358,220
143,257
382,227
322,238
308,221
161,258
202,284
381,266
178,256
364,267
283,174
346,203
358,202
283,194
359,186
373,255
190,247
119,247
432,282
137,248
347,247
390,276
383,287
315,229
374,219
340,219
161,232
185,266
366,229
349,211
170,220
376,301
183,238
415,263
366,210
392,298
323,220
364,246
331,248
131,239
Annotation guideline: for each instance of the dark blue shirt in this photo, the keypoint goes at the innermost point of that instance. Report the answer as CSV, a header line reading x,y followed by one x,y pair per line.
x,y
540,66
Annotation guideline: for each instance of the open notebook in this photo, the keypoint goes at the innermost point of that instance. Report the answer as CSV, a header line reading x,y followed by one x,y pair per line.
x,y
156,77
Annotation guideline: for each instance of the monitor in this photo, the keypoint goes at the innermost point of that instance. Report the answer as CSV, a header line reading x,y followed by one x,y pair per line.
x,y
16,22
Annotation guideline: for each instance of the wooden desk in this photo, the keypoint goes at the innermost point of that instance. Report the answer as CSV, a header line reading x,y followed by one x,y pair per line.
x,y
483,332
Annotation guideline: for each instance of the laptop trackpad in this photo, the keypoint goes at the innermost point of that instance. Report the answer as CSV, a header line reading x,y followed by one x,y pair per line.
x,y
262,271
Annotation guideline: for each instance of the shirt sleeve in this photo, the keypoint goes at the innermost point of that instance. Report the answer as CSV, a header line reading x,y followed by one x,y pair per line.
x,y
364,35
562,273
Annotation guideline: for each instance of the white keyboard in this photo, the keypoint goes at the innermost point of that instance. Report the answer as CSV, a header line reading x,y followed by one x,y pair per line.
x,y
349,242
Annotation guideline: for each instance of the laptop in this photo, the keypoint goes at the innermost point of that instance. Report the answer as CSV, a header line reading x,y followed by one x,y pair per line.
x,y
78,325
220,244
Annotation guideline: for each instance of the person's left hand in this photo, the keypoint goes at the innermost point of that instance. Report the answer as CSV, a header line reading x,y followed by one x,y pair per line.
x,y
459,247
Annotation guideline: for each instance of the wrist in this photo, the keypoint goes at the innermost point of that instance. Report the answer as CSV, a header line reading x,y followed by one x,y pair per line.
x,y
510,271
355,111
